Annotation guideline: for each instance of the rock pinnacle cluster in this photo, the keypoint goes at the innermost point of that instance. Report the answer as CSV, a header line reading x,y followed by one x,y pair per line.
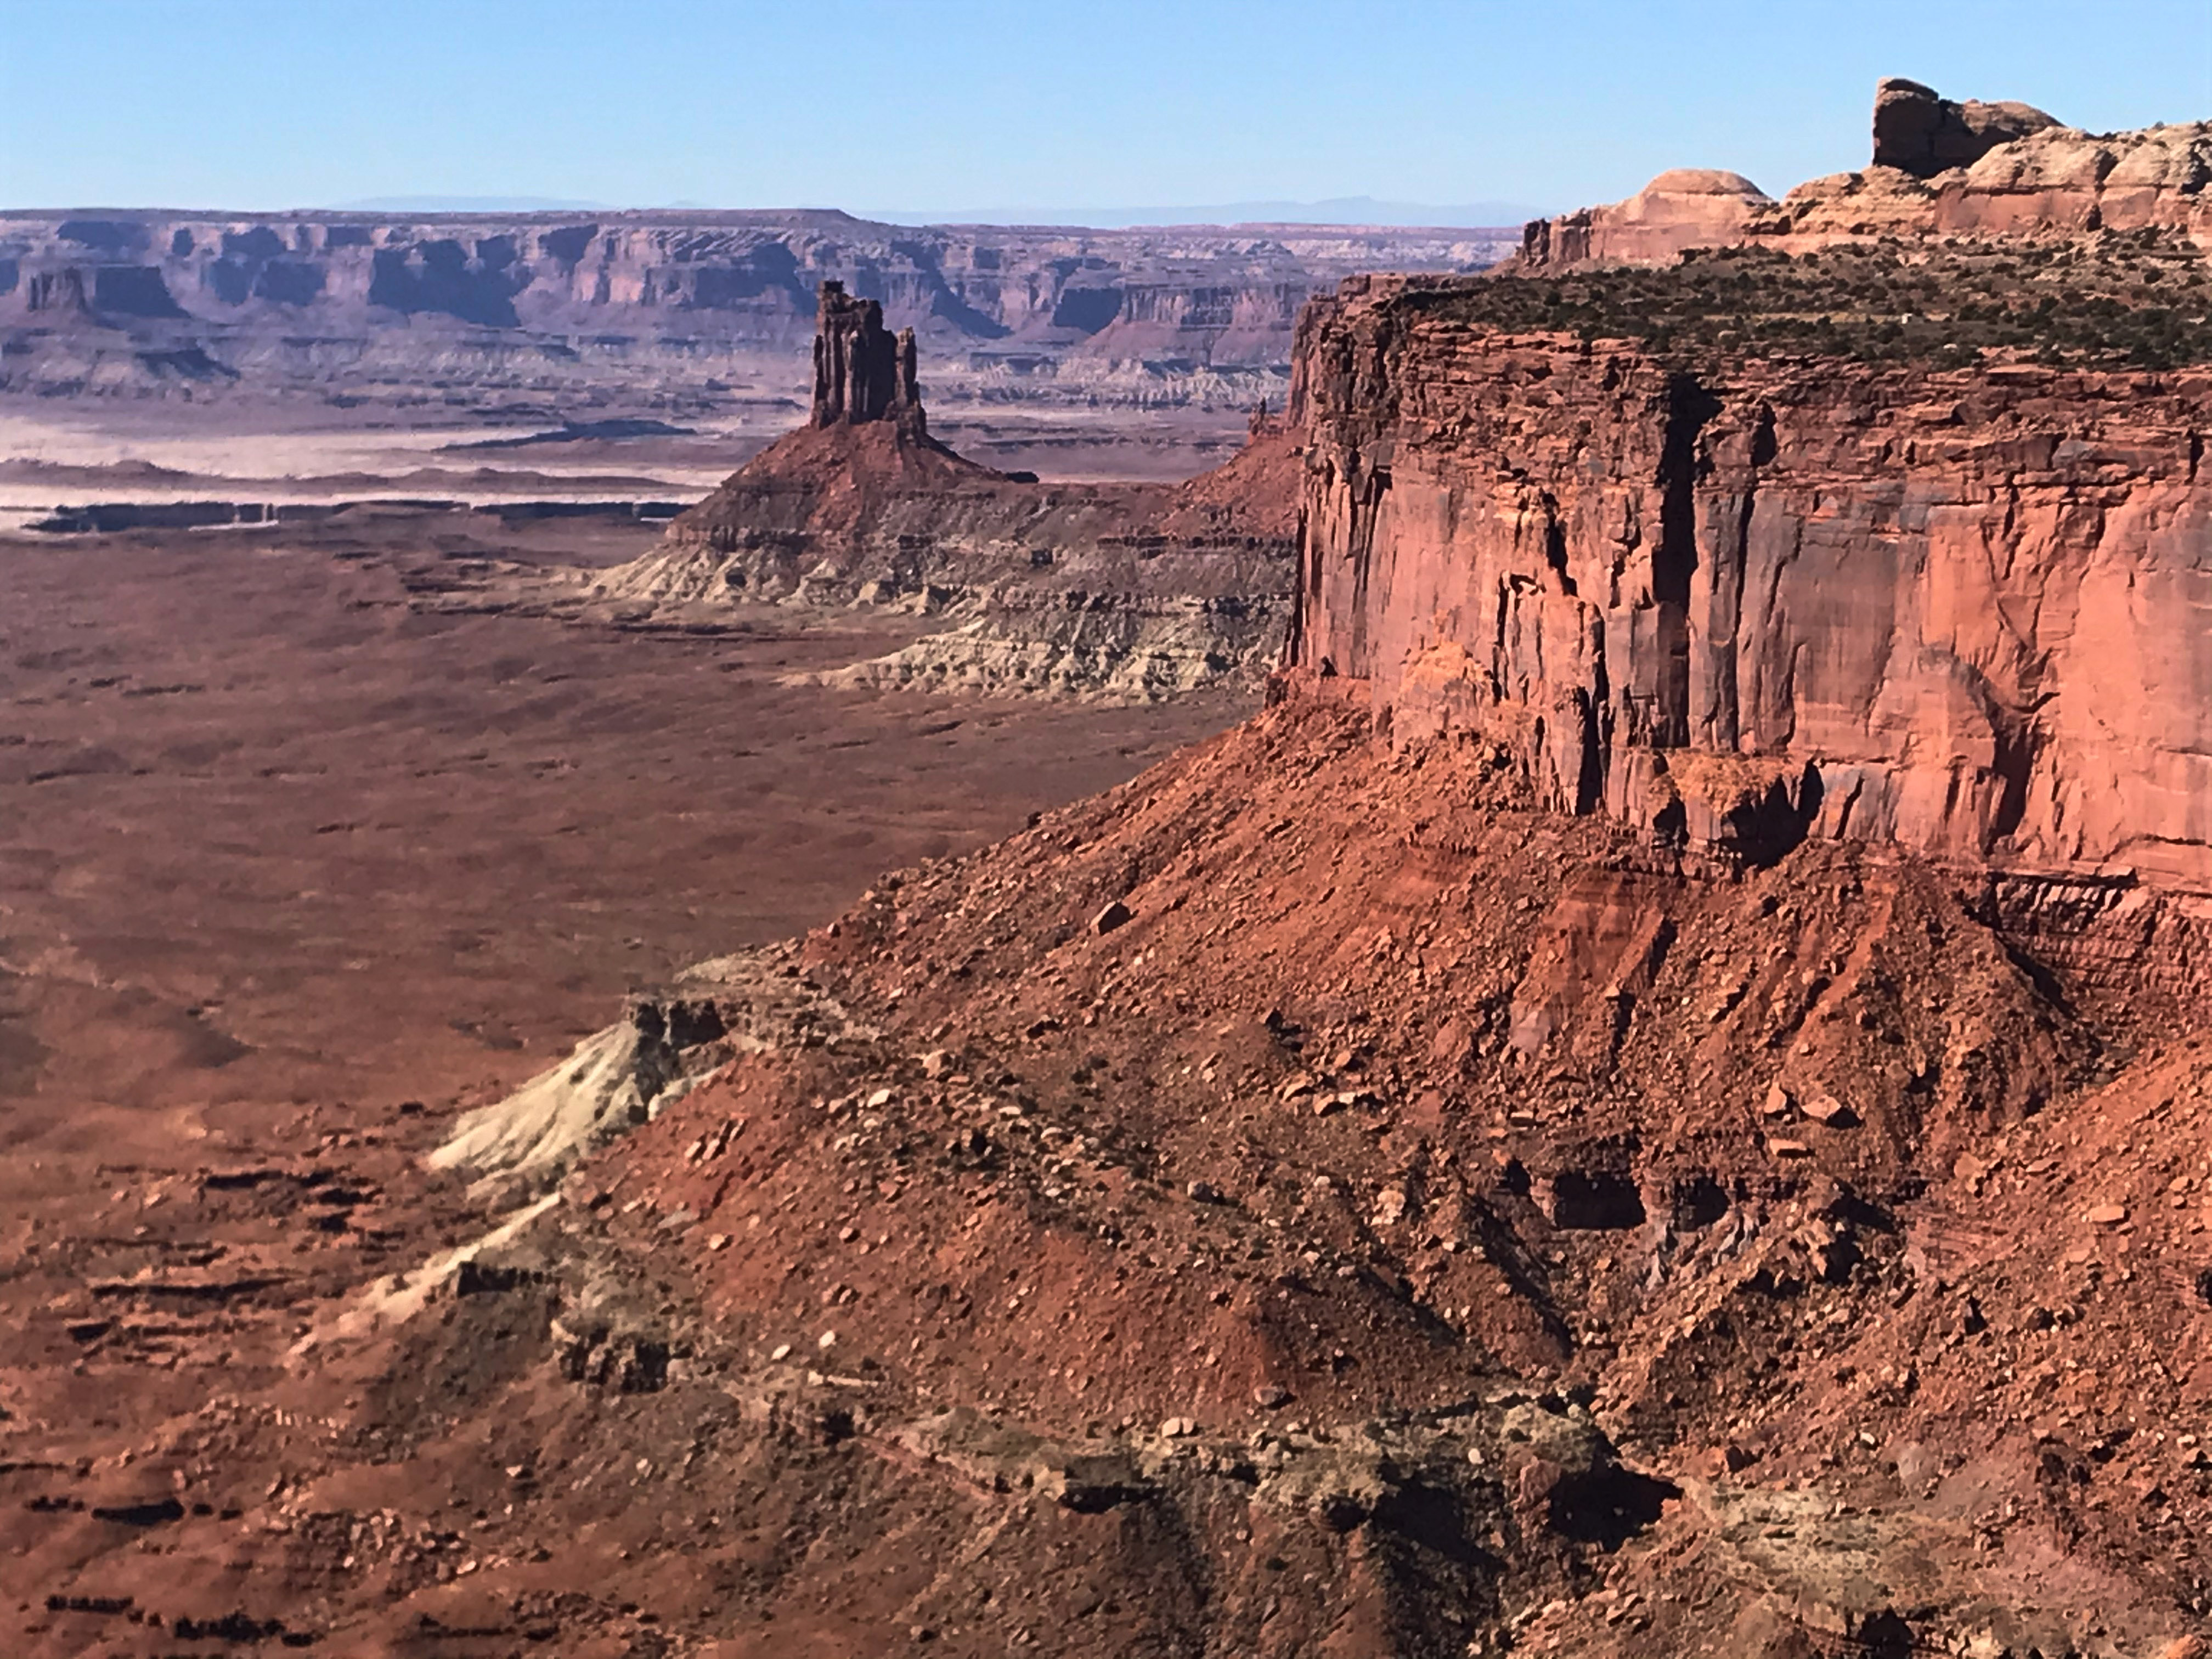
x,y
863,371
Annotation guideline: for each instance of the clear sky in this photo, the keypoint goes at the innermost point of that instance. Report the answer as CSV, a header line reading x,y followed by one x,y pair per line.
x,y
946,104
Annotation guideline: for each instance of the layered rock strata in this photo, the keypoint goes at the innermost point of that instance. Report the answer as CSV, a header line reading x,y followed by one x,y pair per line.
x,y
655,305
1739,601
1123,590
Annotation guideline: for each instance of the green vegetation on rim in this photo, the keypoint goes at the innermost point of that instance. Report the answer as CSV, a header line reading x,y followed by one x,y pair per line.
x,y
2140,300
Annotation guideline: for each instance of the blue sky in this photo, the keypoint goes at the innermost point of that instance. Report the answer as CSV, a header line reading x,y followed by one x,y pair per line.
x,y
962,104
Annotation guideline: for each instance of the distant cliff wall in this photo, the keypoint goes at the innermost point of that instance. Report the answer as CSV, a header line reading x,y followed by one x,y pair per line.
x,y
295,301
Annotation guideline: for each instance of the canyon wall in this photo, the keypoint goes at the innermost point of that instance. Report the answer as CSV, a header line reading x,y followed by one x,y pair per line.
x,y
152,301
1966,612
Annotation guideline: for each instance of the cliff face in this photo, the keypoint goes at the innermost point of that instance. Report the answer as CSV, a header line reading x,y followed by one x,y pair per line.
x,y
286,300
862,372
1964,612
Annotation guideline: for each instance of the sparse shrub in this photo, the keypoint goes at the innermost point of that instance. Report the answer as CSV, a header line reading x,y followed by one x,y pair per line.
x,y
2084,305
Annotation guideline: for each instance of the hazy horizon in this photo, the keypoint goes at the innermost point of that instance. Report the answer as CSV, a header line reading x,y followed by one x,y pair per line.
x,y
1301,102
1348,212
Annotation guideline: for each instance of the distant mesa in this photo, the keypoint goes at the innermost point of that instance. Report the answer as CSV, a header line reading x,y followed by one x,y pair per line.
x,y
563,306
475,204
1343,212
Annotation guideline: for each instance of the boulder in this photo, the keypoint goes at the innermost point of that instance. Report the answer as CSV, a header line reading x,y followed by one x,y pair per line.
x,y
1919,132
1114,915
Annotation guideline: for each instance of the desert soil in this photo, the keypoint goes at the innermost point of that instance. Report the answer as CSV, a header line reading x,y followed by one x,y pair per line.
x,y
294,872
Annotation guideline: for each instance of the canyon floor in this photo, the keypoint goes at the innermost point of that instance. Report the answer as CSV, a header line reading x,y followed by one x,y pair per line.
x,y
296,871
506,450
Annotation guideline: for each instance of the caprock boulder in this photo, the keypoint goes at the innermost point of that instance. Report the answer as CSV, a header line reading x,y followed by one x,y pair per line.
x,y
1939,168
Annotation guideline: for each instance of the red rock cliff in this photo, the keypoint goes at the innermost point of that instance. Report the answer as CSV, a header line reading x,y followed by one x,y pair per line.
x,y
1969,612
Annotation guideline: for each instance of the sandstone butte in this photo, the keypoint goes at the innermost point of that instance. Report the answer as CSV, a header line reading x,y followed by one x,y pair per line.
x,y
1134,590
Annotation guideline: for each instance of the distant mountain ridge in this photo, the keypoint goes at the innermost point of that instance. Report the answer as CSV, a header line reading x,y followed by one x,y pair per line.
x,y
1335,210
140,301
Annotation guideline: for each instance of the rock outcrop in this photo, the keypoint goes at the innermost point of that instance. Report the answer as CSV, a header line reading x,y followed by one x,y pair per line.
x,y
1919,132
1738,601
1684,208
56,294
1114,589
862,372
1939,169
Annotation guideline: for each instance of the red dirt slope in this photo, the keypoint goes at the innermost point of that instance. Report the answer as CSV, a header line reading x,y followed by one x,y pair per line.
x,y
1876,1241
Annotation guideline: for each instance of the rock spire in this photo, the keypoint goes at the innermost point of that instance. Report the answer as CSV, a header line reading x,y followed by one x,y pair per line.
x,y
862,372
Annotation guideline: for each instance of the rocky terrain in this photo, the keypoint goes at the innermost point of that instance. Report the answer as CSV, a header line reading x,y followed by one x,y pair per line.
x,y
1738,595
1653,1102
297,864
1127,590
1940,169
664,311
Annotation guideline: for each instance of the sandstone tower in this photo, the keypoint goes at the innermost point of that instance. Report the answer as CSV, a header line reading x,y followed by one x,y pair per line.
x,y
863,373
